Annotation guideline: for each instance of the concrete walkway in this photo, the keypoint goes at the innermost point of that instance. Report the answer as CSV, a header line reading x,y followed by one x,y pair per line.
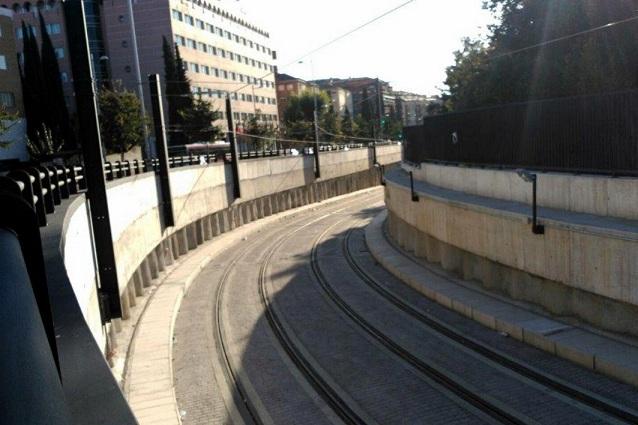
x,y
591,349
149,383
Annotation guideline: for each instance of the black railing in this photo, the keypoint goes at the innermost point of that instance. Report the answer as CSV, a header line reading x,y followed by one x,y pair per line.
x,y
589,134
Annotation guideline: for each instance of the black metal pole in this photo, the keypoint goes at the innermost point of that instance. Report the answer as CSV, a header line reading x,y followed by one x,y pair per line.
x,y
317,164
415,197
233,149
536,228
162,149
89,125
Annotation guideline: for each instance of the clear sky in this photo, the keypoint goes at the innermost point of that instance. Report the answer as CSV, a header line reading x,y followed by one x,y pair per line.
x,y
410,48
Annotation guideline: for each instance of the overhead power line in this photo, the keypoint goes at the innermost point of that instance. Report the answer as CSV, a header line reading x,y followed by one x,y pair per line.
x,y
339,38
565,37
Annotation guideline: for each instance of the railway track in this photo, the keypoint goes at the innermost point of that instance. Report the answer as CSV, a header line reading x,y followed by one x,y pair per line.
x,y
605,406
486,405
247,408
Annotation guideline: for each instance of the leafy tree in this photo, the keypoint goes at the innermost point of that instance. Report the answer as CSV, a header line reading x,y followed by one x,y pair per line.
x,y
265,134
198,122
43,143
299,114
331,124
7,120
190,120
348,127
364,128
121,121
504,69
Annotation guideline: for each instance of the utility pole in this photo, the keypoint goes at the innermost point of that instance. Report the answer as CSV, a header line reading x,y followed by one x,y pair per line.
x,y
316,119
380,108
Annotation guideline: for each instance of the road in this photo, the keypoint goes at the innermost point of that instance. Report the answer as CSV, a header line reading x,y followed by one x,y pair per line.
x,y
298,324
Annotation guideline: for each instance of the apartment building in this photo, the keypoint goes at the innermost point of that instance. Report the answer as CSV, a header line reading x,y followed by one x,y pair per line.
x,y
288,86
10,89
411,107
224,54
367,93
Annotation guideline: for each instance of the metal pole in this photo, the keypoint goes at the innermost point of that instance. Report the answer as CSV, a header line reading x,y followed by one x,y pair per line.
x,y
93,166
233,149
162,149
138,77
317,165
536,228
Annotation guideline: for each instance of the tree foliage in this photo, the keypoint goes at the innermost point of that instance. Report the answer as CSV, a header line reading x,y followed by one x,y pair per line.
x,y
190,119
503,69
121,121
198,121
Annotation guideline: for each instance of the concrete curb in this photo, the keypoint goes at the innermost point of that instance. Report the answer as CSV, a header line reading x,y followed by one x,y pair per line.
x,y
149,373
592,350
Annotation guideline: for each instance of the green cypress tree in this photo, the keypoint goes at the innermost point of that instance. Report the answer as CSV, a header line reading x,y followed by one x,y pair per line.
x,y
57,117
32,84
183,101
170,79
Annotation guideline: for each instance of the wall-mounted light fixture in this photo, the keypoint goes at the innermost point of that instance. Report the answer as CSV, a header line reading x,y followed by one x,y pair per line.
x,y
529,177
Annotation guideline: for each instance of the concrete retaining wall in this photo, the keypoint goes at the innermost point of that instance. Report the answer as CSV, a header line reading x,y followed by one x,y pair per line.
x,y
599,195
570,270
203,207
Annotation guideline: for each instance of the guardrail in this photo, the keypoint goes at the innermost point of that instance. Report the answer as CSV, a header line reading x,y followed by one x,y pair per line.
x,y
590,134
35,392
43,187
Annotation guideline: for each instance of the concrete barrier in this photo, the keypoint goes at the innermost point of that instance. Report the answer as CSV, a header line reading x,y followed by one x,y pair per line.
x,y
584,266
203,207
591,194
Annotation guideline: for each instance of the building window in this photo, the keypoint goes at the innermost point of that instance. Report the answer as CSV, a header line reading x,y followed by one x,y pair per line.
x,y
245,60
194,67
210,28
225,73
190,43
200,24
220,32
19,34
53,29
241,78
222,53
59,52
189,20
206,69
177,15
233,76
249,97
216,71
227,34
3,62
180,41
202,47
7,99
231,56
242,96
252,62
243,116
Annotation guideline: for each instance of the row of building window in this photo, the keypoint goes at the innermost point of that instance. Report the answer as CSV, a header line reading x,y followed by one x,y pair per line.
x,y
205,26
221,94
226,75
28,6
217,51
51,29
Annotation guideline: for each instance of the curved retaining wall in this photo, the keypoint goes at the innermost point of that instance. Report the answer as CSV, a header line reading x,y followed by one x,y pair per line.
x,y
591,194
574,269
203,207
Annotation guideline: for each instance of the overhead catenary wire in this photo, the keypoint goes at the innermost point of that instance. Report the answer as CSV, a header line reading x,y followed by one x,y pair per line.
x,y
563,38
338,38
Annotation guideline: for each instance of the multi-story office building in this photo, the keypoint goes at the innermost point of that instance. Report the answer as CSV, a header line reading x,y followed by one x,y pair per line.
x,y
411,107
10,90
223,53
288,86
